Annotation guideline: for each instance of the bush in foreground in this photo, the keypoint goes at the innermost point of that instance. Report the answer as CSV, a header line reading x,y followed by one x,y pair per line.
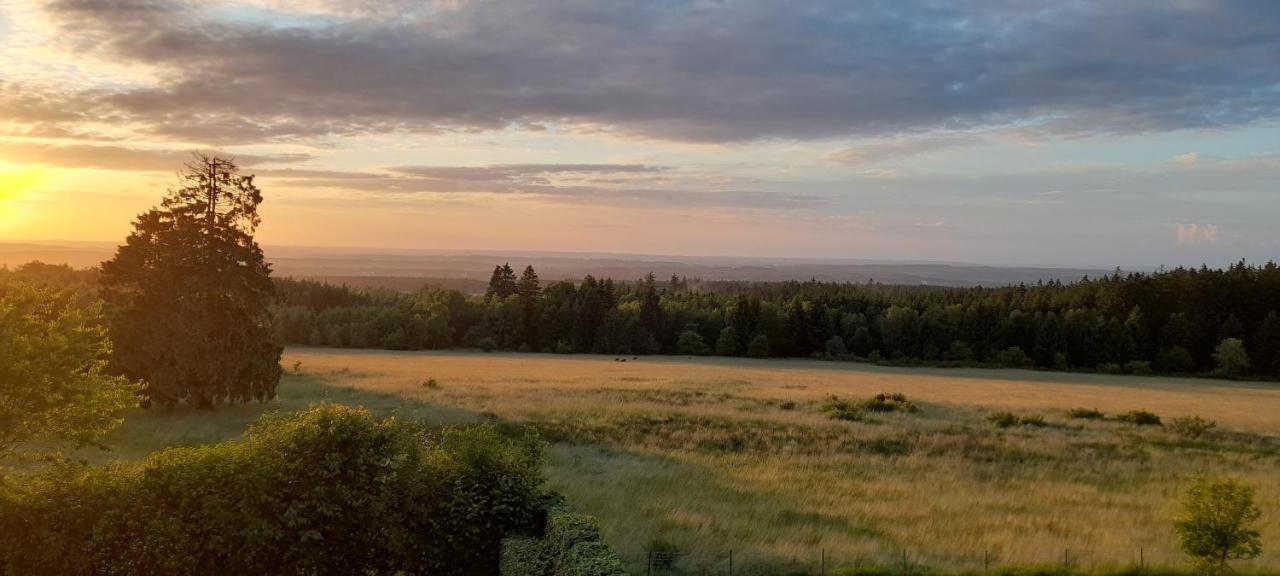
x,y
1217,525
328,491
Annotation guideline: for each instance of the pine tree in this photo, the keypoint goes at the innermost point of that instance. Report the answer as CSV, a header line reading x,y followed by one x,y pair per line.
x,y
502,283
188,293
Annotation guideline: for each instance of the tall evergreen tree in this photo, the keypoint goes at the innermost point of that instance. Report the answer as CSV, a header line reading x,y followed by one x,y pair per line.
x,y
188,293
502,283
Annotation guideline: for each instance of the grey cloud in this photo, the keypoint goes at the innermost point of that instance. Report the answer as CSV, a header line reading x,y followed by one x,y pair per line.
x,y
691,70
552,182
121,158
901,147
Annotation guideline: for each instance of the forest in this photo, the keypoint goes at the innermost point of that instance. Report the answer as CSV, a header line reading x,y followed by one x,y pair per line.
x,y
1182,321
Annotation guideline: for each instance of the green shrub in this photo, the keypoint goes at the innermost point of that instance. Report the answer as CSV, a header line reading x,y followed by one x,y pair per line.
x,y
1110,368
569,546
1009,420
1139,368
1230,358
690,344
1004,419
758,347
787,405
1014,357
1192,426
883,402
1218,525
1085,414
431,384
327,490
1139,418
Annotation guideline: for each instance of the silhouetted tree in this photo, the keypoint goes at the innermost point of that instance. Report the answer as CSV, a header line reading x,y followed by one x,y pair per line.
x,y
188,293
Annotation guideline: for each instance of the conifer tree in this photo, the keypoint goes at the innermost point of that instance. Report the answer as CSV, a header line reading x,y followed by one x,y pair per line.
x,y
188,293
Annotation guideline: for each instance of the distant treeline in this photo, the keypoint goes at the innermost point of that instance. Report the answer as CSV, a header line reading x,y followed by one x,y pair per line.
x,y
1182,321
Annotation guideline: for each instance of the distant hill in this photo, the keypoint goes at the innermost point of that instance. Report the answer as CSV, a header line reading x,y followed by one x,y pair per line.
x,y
409,269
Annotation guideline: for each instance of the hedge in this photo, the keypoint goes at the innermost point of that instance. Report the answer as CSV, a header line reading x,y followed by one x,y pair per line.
x,y
328,491
570,546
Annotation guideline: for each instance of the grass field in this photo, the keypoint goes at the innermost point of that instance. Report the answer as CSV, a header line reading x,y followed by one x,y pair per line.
x,y
713,455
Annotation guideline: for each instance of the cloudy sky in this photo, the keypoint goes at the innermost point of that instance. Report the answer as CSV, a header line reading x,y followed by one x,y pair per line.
x,y
997,131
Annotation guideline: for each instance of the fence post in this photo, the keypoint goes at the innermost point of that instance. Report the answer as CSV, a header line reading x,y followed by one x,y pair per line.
x,y
1065,561
730,562
986,560
904,560
1142,560
823,570
648,570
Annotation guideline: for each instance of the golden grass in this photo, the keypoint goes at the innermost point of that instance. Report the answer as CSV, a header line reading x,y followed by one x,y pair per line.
x,y
705,454
701,453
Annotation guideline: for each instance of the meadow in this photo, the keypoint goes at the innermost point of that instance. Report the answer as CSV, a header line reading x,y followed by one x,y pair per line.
x,y
709,456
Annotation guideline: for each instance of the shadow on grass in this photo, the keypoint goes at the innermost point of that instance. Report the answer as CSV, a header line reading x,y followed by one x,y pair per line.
x,y
151,430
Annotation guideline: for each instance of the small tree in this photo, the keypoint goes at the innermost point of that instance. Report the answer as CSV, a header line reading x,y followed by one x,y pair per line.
x,y
1231,357
53,384
727,343
834,347
690,344
1216,525
758,347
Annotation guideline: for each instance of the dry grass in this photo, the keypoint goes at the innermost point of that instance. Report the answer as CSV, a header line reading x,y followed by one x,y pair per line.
x,y
715,454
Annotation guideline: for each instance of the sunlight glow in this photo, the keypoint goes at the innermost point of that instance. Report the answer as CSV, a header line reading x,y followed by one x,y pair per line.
x,y
16,184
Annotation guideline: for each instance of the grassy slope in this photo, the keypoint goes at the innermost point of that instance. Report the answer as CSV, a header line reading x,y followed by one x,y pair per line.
x,y
704,453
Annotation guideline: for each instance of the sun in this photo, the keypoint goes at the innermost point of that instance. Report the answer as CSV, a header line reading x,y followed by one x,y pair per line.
x,y
16,183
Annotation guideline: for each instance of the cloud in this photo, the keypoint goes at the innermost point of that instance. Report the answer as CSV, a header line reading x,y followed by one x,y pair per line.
x,y
1191,234
611,184
121,158
683,70
1185,159
900,147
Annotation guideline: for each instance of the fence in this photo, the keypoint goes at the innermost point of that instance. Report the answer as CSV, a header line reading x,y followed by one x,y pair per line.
x,y
673,562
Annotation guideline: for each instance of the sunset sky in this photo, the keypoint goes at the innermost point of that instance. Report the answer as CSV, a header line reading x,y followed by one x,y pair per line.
x,y
1052,133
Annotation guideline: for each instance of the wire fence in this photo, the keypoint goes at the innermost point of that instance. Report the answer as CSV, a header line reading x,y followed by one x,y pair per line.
x,y
676,562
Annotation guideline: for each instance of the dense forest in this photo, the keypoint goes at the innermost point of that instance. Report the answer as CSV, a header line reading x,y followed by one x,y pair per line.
x,y
1181,321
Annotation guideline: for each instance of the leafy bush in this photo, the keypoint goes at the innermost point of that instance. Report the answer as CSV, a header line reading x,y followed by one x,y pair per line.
x,y
1014,357
431,384
758,347
328,490
1009,420
1085,414
1139,418
1192,426
838,409
1110,368
885,402
1004,419
569,546
690,344
1139,368
787,405
1231,358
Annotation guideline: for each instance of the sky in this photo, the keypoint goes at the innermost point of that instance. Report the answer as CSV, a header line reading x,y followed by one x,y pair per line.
x,y
1133,134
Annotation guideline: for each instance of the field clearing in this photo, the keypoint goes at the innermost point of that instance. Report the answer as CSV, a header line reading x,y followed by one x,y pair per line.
x,y
713,455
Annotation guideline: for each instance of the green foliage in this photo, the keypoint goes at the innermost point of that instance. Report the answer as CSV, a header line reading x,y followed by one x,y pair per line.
x,y
1085,414
1217,524
54,388
883,402
758,347
188,294
1139,418
691,344
570,546
1230,358
431,384
727,343
834,348
1004,419
1014,357
327,490
1009,420
1191,426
